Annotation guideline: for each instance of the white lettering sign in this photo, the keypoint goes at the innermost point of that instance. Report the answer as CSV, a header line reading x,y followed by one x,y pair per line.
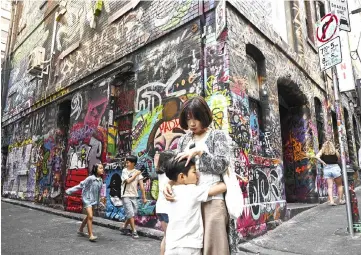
x,y
340,8
344,70
330,54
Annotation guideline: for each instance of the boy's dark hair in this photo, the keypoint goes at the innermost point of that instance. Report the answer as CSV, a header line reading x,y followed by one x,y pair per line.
x,y
164,157
173,168
198,108
132,159
95,170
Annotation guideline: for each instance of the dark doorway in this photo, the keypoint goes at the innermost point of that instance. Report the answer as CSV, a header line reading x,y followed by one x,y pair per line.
x,y
64,114
4,170
335,129
357,136
351,153
294,115
63,123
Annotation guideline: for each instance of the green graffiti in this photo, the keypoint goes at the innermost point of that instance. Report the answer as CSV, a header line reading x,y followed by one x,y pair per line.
x,y
45,163
149,119
155,189
179,14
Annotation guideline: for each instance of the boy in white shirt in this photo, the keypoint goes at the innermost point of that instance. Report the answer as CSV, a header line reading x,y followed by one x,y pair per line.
x,y
161,206
185,227
131,177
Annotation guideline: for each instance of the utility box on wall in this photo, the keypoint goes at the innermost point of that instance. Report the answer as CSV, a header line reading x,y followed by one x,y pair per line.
x,y
36,61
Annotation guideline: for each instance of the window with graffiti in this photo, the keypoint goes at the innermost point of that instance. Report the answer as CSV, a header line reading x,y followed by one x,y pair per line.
x,y
252,73
255,126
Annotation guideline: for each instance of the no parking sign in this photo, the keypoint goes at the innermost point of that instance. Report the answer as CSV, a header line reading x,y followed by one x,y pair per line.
x,y
327,28
329,50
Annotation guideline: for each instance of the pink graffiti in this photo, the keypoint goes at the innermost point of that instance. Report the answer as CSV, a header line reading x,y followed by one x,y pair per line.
x,y
138,129
95,111
169,125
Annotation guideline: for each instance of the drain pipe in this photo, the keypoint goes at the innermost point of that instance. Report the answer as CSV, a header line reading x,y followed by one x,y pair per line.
x,y
202,22
51,51
6,71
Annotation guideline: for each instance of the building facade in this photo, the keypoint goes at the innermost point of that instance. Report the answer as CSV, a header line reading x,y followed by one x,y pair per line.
x,y
5,25
5,13
93,82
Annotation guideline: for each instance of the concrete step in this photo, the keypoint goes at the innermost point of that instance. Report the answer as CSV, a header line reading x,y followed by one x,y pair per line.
x,y
295,208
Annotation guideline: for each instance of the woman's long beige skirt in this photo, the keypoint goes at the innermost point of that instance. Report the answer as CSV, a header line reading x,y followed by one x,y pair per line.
x,y
215,220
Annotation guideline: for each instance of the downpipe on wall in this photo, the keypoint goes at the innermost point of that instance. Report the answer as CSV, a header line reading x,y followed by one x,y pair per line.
x,y
202,22
55,26
7,68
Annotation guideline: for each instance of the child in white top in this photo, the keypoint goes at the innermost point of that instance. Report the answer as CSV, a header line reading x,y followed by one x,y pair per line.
x,y
131,178
185,227
162,204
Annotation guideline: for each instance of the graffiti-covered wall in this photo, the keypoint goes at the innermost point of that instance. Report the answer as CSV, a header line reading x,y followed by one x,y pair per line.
x,y
87,140
273,120
35,161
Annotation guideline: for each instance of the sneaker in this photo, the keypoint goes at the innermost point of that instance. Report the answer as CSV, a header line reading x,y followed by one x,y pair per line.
x,y
332,203
342,202
135,235
125,231
93,238
81,233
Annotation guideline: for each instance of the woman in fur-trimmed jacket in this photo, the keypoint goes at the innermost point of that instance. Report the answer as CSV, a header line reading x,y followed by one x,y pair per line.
x,y
211,150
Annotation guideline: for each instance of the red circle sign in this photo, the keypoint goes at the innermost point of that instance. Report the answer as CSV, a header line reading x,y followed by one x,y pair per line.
x,y
322,32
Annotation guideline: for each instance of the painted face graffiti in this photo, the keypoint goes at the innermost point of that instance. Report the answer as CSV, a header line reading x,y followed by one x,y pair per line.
x,y
167,135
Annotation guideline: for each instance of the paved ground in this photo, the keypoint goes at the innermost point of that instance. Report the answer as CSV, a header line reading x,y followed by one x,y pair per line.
x,y
28,231
320,230
25,229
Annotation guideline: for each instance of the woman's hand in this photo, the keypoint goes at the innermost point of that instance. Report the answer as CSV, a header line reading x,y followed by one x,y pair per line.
x,y
168,193
188,155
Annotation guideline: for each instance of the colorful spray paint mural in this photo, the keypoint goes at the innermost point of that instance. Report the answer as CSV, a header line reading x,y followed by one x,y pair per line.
x,y
87,142
48,161
245,78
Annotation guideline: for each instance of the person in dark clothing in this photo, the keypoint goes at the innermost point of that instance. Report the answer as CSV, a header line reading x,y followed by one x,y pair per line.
x,y
329,157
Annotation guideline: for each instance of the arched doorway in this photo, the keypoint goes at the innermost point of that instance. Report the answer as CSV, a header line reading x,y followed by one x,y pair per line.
x,y
294,118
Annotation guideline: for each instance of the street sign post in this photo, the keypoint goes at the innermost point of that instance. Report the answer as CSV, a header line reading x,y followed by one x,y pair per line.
x,y
340,8
330,54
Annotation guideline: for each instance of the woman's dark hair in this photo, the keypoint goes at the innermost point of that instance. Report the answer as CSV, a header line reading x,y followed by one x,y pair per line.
x,y
164,157
95,169
198,108
132,158
173,168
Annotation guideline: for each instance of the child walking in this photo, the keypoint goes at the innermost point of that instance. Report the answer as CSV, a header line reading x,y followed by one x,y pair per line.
x,y
131,177
91,187
185,227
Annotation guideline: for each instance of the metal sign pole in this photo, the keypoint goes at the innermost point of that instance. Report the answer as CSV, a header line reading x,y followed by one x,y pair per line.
x,y
342,151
